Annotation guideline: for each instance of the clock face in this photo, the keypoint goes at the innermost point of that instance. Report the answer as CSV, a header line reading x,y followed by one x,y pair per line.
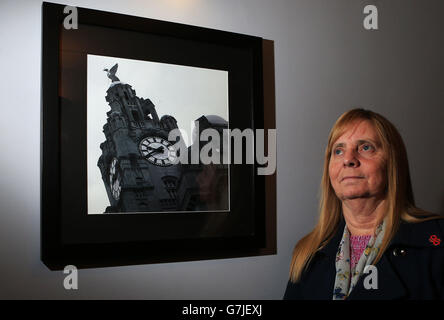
x,y
114,179
157,151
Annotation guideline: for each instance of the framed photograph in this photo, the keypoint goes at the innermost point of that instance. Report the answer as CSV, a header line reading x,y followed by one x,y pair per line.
x,y
125,104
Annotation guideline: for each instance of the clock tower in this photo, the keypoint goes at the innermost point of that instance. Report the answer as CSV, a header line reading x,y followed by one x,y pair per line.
x,y
136,161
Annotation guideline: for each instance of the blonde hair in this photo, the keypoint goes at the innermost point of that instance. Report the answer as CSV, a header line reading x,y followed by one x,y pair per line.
x,y
399,194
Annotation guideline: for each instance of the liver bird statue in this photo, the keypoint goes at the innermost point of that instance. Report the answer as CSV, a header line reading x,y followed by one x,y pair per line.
x,y
111,73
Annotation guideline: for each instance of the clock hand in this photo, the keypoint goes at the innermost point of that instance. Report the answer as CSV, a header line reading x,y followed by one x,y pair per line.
x,y
152,152
157,150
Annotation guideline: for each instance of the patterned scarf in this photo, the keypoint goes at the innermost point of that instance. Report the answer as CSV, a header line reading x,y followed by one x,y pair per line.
x,y
343,283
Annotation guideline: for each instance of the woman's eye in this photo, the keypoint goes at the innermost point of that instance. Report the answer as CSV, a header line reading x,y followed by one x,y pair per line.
x,y
367,147
337,151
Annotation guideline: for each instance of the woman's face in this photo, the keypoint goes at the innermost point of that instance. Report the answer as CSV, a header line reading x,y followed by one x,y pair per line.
x,y
357,163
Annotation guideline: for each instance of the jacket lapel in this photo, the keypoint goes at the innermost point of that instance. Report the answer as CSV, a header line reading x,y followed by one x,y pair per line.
x,y
389,287
331,248
389,284
326,267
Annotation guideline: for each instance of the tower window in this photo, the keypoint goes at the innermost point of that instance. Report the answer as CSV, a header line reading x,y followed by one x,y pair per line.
x,y
170,184
168,203
135,115
172,193
139,195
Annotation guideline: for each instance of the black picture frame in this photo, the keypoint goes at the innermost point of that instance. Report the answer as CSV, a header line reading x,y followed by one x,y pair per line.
x,y
71,237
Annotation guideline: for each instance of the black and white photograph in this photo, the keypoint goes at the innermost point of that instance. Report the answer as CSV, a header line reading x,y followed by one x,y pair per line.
x,y
132,105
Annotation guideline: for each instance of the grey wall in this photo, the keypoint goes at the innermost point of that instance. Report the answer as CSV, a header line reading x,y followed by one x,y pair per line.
x,y
325,64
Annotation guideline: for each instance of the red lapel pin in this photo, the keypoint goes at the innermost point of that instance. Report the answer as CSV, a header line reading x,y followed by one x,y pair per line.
x,y
435,240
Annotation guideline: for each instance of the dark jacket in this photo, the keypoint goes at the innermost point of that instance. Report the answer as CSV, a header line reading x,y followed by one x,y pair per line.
x,y
412,267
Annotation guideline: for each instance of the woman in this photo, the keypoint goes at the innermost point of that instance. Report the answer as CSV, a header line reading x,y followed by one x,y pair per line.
x,y
371,241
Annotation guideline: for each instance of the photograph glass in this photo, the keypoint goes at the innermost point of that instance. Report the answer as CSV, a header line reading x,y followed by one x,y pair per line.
x,y
132,105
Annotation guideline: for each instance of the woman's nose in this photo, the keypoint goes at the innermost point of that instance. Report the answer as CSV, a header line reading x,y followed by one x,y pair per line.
x,y
350,159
